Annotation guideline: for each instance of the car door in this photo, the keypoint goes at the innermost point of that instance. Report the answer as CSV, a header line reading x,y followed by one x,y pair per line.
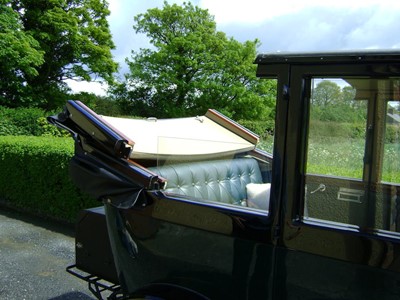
x,y
171,245
213,249
340,232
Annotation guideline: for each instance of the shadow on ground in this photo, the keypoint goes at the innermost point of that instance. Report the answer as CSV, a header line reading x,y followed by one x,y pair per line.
x,y
72,296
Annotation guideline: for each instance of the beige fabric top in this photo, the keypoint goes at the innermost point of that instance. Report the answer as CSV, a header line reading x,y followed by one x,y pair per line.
x,y
179,138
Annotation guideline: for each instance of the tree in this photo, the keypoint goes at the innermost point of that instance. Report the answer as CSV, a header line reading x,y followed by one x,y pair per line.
x,y
20,55
192,67
74,39
326,92
348,94
331,103
100,104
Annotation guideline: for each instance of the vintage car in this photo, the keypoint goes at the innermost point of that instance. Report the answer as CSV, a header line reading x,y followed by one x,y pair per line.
x,y
192,209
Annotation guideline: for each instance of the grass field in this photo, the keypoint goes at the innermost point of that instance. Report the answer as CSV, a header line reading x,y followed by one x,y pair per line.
x,y
343,157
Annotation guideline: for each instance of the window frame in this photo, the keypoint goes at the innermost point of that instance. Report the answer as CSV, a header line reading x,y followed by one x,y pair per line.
x,y
297,229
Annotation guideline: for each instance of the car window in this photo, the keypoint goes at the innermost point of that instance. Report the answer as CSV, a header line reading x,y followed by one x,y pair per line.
x,y
353,156
391,153
336,130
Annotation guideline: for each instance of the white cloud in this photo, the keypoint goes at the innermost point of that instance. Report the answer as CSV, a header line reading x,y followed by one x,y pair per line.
x,y
379,30
257,11
249,11
285,25
97,88
318,28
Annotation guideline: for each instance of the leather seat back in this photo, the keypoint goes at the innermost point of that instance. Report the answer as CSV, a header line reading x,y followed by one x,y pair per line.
x,y
216,180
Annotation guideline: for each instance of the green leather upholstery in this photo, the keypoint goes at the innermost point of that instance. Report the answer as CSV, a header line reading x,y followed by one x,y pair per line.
x,y
217,180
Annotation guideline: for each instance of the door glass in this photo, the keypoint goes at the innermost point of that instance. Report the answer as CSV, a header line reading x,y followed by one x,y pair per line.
x,y
336,143
353,158
391,157
388,193
337,129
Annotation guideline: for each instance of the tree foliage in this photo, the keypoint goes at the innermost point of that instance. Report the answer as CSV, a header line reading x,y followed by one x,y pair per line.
x,y
325,93
192,67
100,104
20,55
52,41
333,103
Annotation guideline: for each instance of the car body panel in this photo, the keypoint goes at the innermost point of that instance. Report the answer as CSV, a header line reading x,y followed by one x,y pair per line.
x,y
324,236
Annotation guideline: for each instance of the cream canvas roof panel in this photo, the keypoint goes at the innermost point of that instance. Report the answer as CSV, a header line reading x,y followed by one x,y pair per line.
x,y
194,136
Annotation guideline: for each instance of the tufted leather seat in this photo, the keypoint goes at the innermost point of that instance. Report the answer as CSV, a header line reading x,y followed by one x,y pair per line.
x,y
217,180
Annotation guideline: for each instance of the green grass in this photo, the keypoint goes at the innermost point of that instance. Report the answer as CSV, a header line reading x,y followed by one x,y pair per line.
x,y
336,156
344,157
266,143
391,163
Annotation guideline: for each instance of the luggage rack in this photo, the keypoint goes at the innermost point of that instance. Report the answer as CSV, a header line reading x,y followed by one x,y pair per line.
x,y
99,287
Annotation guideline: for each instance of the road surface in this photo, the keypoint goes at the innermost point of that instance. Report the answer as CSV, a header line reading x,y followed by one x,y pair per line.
x,y
33,257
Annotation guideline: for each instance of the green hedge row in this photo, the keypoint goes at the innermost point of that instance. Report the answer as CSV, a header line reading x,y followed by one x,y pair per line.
x,y
351,130
265,129
34,177
27,121
262,128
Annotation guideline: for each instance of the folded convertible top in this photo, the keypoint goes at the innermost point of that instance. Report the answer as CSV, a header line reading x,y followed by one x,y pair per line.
x,y
179,138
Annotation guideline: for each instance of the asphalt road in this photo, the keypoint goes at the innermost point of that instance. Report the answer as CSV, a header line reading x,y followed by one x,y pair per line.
x,y
33,257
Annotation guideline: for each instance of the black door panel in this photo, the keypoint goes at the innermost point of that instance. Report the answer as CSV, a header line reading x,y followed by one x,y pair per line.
x,y
337,200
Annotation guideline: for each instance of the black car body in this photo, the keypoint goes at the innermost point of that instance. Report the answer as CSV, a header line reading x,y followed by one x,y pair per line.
x,y
327,224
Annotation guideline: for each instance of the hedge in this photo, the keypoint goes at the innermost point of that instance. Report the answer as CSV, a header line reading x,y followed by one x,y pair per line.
x,y
261,128
351,130
27,121
34,177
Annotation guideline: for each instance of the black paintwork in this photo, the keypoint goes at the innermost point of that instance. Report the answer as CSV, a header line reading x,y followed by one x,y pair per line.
x,y
173,247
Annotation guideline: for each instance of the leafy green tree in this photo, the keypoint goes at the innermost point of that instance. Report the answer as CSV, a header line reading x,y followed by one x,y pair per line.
x,y
20,55
100,104
192,67
348,94
74,40
331,103
325,93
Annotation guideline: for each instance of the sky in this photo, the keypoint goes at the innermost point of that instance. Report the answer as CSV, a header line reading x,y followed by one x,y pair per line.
x,y
280,25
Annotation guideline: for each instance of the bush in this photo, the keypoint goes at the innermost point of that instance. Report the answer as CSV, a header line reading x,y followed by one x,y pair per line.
x,y
34,177
339,113
392,133
262,128
20,121
101,105
351,130
9,128
26,121
335,129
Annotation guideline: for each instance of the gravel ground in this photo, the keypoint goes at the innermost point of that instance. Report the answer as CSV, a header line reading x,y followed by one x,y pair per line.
x,y
33,258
